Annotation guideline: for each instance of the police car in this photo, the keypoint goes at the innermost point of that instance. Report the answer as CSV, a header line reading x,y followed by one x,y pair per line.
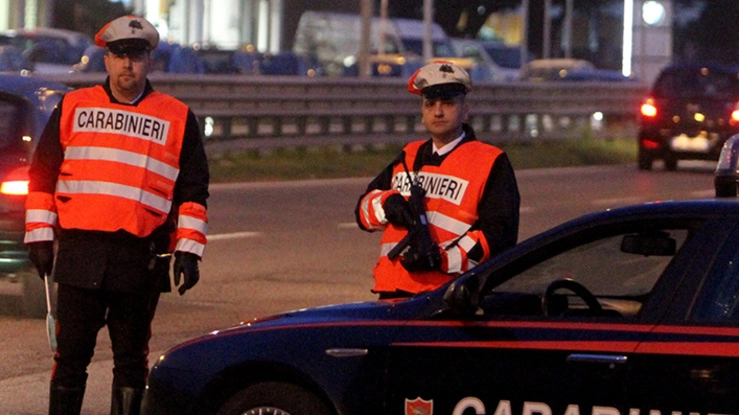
x,y
631,311
25,105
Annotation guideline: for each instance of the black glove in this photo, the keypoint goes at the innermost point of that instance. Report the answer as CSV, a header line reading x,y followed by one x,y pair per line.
x,y
186,264
398,211
418,259
41,255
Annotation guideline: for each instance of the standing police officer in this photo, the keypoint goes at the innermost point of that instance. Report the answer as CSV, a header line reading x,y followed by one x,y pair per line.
x,y
120,180
471,199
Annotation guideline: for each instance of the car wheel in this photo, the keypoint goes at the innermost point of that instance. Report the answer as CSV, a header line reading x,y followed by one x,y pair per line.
x,y
34,295
274,398
644,160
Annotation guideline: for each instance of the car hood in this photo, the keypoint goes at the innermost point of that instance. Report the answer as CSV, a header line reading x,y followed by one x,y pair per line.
x,y
334,325
364,311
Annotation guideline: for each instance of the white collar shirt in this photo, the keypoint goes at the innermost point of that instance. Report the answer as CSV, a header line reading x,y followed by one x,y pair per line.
x,y
444,150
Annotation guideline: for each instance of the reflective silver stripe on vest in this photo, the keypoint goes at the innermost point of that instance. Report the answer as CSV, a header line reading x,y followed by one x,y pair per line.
x,y
189,222
188,245
447,223
38,235
115,189
373,198
122,156
41,215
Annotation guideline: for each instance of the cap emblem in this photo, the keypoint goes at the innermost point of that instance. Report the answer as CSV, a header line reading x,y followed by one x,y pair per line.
x,y
135,24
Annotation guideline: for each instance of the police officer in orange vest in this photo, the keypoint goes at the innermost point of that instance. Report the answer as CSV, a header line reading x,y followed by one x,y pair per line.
x,y
119,181
470,196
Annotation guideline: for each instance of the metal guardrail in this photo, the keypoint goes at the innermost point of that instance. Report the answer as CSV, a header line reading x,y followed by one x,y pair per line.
x,y
247,111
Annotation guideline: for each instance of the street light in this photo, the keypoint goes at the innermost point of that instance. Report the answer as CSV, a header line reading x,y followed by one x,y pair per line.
x,y
628,37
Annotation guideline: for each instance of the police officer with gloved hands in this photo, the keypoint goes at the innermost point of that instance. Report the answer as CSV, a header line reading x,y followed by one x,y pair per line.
x,y
444,204
118,182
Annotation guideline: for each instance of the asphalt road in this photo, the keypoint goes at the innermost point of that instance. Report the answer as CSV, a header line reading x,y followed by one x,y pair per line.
x,y
281,246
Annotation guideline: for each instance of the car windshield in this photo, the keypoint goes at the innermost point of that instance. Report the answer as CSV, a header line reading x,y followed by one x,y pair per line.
x,y
697,82
504,56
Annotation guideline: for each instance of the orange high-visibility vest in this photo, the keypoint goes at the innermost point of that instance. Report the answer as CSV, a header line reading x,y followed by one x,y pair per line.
x,y
120,166
453,192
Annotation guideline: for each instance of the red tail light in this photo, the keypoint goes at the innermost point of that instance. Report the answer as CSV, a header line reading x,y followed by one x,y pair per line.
x,y
735,114
15,183
648,109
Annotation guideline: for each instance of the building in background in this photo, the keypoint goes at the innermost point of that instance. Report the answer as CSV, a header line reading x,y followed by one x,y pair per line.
x,y
18,14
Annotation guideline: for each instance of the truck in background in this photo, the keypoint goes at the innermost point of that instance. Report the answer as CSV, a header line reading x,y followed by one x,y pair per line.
x,y
334,40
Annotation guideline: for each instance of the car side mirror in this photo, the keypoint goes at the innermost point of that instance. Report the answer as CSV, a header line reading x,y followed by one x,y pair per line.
x,y
650,244
461,297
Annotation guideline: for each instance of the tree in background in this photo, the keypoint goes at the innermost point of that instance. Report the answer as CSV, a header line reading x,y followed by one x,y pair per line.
x,y
712,36
86,16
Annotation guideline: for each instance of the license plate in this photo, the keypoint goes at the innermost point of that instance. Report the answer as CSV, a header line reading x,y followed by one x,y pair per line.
x,y
693,144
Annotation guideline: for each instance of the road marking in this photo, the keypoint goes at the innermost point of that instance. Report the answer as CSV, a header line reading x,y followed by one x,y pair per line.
x,y
616,201
233,235
348,225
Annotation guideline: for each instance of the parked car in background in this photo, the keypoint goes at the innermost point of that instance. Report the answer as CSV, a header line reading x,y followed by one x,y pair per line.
x,y
13,61
249,61
509,57
288,63
552,69
175,58
25,105
386,65
167,57
690,112
491,70
632,310
91,60
578,70
50,50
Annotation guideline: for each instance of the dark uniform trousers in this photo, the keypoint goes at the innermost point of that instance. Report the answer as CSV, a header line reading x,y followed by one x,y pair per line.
x,y
106,279
80,316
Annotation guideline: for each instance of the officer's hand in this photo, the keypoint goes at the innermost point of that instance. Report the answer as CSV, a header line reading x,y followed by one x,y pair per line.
x,y
186,264
417,259
41,255
398,211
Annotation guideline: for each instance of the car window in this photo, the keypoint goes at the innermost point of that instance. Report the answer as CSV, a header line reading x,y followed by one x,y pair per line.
x,y
10,131
718,300
620,269
697,82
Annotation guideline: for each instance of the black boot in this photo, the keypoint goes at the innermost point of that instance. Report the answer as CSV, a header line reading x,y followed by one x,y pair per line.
x,y
65,401
126,401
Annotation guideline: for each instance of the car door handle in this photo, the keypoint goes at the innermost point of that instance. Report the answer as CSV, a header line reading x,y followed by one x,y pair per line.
x,y
597,358
347,352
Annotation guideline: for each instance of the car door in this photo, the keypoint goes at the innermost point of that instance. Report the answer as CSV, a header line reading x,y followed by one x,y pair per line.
x,y
689,363
513,357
